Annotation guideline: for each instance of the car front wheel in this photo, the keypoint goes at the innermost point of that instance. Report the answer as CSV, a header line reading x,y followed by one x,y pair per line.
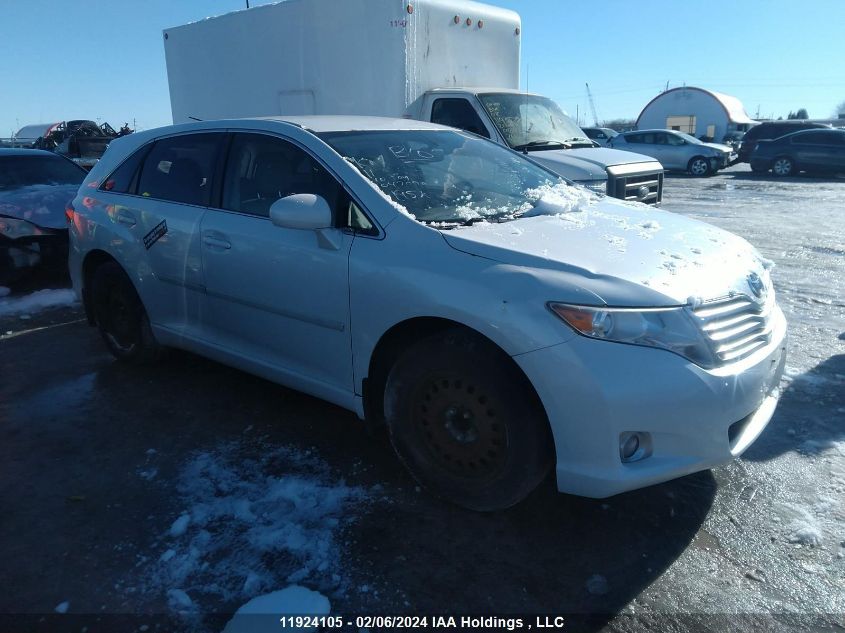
x,y
466,423
699,167
783,166
121,317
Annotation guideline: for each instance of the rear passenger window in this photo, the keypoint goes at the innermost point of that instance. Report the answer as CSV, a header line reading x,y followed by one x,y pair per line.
x,y
634,138
122,179
180,169
813,138
261,169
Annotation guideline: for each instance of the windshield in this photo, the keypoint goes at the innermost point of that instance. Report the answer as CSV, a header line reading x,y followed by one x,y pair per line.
x,y
23,171
530,119
445,177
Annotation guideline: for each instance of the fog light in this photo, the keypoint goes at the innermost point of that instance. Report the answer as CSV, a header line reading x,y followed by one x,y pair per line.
x,y
628,446
634,446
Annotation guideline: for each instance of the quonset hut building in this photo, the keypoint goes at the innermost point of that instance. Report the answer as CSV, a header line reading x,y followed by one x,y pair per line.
x,y
696,111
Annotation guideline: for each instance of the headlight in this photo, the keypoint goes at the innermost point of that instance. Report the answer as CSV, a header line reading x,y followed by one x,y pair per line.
x,y
671,329
13,228
596,186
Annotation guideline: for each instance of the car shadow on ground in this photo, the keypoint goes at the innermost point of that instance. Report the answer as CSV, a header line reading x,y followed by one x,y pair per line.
x,y
552,554
814,405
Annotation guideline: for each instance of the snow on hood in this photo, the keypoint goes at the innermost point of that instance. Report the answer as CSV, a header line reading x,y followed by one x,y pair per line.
x,y
42,205
629,254
588,163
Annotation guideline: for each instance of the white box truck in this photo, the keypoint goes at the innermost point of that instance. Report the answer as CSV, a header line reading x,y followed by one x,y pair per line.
x,y
454,62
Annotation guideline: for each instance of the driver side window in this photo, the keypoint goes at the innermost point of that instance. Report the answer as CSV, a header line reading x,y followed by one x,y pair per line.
x,y
261,169
458,113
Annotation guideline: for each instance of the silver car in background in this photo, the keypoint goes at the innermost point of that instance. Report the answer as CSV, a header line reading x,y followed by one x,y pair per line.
x,y
677,151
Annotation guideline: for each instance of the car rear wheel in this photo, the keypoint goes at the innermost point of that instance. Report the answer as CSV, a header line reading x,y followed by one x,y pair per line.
x,y
699,167
783,166
466,423
121,317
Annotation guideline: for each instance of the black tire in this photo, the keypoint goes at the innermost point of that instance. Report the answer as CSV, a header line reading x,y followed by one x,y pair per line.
x,y
783,166
121,317
699,167
466,423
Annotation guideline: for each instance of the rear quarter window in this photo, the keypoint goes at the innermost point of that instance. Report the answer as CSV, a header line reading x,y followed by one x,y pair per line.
x,y
123,179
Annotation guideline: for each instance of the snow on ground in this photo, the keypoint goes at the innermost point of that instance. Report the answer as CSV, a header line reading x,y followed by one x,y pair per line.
x,y
252,519
262,614
36,301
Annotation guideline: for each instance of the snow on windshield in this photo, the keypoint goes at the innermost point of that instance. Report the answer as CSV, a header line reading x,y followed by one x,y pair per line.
x,y
447,178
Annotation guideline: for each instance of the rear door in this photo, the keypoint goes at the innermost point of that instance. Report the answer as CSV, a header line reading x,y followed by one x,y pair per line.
x,y
675,150
814,151
169,187
279,297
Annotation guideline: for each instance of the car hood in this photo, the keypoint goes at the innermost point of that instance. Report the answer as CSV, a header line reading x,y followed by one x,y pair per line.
x,y
42,205
589,163
626,254
719,146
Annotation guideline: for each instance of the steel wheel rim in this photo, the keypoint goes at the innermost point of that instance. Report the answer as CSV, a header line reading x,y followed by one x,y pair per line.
x,y
698,167
460,428
782,167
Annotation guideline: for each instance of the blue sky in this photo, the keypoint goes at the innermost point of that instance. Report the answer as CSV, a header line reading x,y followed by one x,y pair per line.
x,y
104,59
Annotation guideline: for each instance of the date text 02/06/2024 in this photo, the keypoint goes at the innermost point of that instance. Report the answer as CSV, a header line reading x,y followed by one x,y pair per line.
x,y
423,622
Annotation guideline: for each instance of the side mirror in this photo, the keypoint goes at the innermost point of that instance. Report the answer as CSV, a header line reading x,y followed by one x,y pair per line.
x,y
301,211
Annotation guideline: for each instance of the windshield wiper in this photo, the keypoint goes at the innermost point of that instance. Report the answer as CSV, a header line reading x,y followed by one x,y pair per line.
x,y
526,147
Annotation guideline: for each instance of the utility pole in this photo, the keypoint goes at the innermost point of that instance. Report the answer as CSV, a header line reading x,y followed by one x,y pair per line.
x,y
592,106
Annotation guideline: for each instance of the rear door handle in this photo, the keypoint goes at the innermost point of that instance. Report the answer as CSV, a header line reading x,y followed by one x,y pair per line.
x,y
216,242
124,217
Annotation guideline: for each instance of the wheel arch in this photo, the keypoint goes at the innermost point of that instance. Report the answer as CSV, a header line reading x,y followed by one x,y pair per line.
x,y
404,334
93,260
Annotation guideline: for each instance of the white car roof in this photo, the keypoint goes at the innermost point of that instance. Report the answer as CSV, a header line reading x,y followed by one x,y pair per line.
x,y
336,123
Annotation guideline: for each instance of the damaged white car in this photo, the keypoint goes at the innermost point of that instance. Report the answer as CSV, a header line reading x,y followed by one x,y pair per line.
x,y
499,320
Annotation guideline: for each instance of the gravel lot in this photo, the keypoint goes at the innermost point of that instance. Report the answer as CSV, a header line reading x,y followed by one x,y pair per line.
x,y
167,496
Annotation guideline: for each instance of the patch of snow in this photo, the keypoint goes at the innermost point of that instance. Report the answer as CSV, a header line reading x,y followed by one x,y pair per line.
x,y
148,474
62,607
253,518
4,291
179,600
558,199
261,614
801,524
400,208
180,525
36,301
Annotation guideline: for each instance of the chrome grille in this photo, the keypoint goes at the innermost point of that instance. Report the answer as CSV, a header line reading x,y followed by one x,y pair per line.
x,y
633,186
736,326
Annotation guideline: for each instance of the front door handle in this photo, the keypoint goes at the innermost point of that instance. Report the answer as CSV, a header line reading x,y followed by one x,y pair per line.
x,y
124,217
216,242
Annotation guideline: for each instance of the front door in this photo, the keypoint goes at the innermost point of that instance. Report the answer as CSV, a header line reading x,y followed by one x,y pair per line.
x,y
278,296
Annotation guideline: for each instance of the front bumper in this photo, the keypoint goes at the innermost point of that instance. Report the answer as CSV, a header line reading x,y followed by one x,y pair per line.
x,y
595,391
23,255
723,161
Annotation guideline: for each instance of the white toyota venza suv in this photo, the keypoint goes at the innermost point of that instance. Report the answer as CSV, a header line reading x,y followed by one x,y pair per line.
x,y
496,318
